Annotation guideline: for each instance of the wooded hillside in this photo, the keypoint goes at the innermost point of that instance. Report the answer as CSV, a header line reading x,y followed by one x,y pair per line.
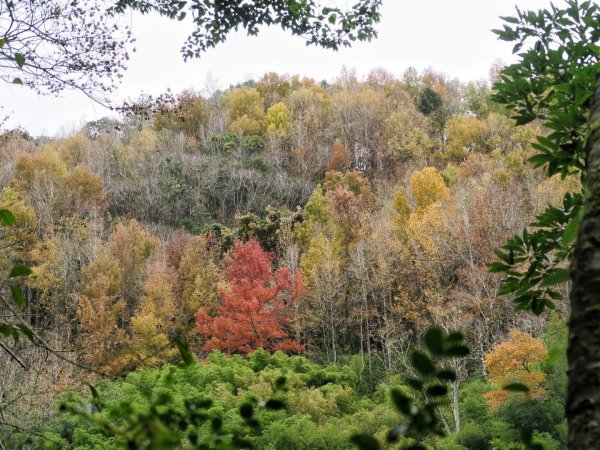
x,y
332,221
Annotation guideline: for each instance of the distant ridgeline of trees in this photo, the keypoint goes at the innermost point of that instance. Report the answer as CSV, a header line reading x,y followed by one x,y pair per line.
x,y
270,142
338,221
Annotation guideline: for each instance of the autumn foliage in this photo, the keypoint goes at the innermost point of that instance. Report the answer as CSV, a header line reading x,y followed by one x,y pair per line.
x,y
513,361
255,308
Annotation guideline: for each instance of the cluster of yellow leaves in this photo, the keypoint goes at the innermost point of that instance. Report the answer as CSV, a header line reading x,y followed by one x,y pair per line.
x,y
57,188
146,141
277,120
401,210
321,268
552,190
406,135
48,275
155,319
100,311
110,293
433,209
273,87
246,110
514,361
86,188
21,236
425,226
30,167
72,149
427,187
137,295
465,135
55,260
316,215
132,246
200,280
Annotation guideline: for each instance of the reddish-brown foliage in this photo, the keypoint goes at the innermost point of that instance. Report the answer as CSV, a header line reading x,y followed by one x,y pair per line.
x,y
255,310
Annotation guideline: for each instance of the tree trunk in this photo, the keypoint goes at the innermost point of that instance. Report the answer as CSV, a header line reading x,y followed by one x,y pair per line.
x,y
333,335
455,404
583,396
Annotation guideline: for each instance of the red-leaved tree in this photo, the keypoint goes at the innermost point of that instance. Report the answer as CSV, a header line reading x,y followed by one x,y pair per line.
x,y
255,309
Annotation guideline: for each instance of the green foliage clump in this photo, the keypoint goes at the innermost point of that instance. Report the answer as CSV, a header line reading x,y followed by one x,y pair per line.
x,y
227,402
259,164
253,143
429,101
223,143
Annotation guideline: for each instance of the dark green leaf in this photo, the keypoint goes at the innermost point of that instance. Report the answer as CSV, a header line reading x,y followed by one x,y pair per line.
x,y
415,384
437,390
394,434
8,330
446,375
571,230
280,383
246,411
422,363
455,337
94,392
416,446
526,435
365,442
18,297
274,404
401,401
6,217
20,60
217,424
434,340
26,331
239,442
540,160
516,387
457,351
19,271
497,267
556,276
184,350
510,19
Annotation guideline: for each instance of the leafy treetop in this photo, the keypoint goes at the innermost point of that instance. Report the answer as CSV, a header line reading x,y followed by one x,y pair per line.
x,y
328,27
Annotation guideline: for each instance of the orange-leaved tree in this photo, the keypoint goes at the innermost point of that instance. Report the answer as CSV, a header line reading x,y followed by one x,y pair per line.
x,y
513,362
255,309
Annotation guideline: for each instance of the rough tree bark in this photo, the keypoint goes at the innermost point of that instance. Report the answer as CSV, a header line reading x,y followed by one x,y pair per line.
x,y
583,396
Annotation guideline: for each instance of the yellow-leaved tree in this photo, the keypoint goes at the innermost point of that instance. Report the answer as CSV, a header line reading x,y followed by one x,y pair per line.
x,y
200,278
466,134
319,315
277,120
100,310
154,322
132,246
427,187
246,110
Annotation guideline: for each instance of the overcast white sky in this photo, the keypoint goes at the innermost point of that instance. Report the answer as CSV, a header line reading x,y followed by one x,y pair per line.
x,y
451,36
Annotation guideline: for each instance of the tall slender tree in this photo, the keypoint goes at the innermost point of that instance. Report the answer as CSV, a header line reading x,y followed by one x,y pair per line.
x,y
255,309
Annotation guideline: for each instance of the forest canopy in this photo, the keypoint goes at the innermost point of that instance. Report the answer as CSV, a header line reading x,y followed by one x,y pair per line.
x,y
226,270
337,221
